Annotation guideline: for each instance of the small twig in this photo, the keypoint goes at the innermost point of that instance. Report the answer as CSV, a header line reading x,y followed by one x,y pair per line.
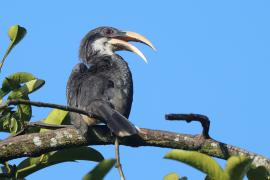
x,y
40,124
204,120
47,126
117,156
42,104
49,105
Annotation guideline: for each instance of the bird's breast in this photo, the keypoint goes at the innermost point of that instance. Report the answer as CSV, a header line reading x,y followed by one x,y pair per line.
x,y
109,81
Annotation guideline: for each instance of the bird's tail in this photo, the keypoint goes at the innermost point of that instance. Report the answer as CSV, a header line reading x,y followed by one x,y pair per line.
x,y
115,121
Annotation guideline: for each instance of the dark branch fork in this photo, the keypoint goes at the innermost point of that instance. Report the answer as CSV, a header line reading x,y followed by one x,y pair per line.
x,y
24,145
205,122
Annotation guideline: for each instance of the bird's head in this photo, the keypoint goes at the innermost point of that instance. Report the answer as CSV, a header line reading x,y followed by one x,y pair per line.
x,y
104,41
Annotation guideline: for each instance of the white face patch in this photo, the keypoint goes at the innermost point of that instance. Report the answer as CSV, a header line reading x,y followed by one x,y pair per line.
x,y
102,47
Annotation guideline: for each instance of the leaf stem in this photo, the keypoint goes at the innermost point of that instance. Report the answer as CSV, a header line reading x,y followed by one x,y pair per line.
x,y
10,46
7,167
24,169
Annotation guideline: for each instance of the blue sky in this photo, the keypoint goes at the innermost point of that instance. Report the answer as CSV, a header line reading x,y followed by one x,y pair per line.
x,y
212,58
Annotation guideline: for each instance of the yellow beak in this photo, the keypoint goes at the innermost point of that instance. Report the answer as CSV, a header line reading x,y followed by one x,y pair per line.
x,y
121,42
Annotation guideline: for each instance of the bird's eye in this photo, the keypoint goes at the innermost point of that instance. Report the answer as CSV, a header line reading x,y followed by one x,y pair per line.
x,y
108,31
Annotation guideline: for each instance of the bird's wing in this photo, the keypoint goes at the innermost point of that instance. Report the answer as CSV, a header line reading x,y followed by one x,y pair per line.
x,y
72,91
82,85
73,84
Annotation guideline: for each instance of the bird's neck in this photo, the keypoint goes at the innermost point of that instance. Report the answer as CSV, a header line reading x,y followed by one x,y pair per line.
x,y
122,67
112,62
101,63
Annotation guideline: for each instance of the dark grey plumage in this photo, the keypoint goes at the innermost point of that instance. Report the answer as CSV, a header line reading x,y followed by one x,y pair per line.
x,y
102,85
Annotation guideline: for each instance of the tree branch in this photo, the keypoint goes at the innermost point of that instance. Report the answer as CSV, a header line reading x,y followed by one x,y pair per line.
x,y
38,143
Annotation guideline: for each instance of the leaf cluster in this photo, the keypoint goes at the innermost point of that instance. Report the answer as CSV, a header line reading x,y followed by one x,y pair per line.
x,y
237,167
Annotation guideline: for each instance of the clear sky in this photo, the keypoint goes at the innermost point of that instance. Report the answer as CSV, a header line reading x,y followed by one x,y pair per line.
x,y
212,58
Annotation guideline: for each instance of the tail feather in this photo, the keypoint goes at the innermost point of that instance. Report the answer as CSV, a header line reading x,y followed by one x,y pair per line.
x,y
117,123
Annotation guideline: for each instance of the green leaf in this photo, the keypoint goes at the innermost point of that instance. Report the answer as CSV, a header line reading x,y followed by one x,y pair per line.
x,y
13,125
16,34
99,172
19,78
171,176
5,119
5,122
199,161
237,167
2,94
24,111
12,82
31,165
27,88
57,117
259,172
5,113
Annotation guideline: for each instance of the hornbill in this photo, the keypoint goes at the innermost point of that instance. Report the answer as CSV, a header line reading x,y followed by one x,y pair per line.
x,y
102,83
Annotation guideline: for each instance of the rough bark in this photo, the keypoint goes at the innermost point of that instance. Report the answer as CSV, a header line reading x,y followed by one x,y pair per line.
x,y
38,143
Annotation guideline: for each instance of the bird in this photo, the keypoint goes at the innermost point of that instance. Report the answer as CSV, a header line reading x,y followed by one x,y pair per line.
x,y
101,83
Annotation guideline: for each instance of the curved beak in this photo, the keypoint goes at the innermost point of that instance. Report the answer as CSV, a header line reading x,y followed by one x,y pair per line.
x,y
120,40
